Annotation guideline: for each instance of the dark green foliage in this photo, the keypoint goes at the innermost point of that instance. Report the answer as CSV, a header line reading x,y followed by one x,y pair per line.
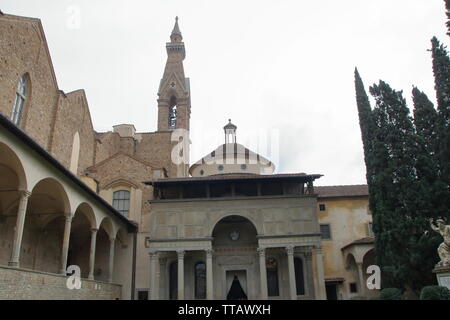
x,y
435,198
435,293
447,6
391,294
408,173
404,184
441,70
397,225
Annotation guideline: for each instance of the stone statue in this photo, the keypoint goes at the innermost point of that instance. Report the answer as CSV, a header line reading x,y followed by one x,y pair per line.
x,y
444,247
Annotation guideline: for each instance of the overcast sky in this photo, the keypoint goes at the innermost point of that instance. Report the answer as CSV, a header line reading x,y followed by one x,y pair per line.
x,y
281,70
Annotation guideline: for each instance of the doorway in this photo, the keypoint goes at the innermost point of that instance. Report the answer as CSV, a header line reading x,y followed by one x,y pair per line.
x,y
331,291
236,284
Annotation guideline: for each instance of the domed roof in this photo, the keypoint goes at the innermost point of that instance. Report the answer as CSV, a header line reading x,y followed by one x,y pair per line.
x,y
229,155
230,125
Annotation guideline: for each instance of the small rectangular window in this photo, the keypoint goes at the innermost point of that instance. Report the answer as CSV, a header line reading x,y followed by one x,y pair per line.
x,y
353,288
325,231
142,295
322,207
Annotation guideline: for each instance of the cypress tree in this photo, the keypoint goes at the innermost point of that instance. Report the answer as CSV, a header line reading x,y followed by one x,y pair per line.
x,y
394,184
375,156
447,6
441,70
433,196
364,114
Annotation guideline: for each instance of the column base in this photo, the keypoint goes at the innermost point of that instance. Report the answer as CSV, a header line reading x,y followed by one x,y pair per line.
x,y
13,264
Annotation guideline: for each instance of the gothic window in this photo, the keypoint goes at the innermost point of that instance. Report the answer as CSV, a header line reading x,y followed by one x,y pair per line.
x,y
200,280
272,277
299,279
173,112
121,201
19,103
173,281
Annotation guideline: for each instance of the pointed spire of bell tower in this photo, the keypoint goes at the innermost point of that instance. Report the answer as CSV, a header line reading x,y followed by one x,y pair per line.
x,y
176,33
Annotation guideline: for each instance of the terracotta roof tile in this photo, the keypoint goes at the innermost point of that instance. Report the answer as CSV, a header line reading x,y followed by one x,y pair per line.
x,y
342,191
366,240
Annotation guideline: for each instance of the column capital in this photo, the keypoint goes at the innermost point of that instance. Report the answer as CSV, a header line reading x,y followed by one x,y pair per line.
x,y
209,252
308,255
180,254
261,251
319,249
290,250
68,216
25,193
112,239
152,254
94,230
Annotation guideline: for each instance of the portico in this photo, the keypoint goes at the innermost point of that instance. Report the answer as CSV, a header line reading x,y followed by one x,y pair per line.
x,y
268,246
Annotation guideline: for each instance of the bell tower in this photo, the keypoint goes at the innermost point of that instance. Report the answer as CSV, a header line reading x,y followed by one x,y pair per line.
x,y
174,102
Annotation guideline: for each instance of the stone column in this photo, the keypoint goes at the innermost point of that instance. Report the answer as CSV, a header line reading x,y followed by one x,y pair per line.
x,y
18,231
362,284
92,253
162,279
180,254
309,272
152,287
321,291
209,275
262,273
112,242
65,246
291,268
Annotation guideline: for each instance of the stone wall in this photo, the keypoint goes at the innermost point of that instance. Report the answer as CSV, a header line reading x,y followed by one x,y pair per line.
x,y
20,284
73,116
23,50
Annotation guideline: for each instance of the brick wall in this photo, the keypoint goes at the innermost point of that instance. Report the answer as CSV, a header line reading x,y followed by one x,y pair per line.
x,y
23,50
19,284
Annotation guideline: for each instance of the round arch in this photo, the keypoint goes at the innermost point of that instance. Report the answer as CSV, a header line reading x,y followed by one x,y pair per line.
x,y
50,189
349,261
213,225
121,182
107,224
86,210
11,166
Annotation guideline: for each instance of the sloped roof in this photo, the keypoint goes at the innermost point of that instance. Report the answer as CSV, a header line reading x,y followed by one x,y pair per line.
x,y
231,176
231,151
366,240
357,190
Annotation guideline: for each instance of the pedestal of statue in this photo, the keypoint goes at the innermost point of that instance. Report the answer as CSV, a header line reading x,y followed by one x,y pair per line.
x,y
443,275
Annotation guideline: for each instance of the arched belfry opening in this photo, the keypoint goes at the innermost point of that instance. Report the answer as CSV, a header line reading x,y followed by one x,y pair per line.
x,y
173,112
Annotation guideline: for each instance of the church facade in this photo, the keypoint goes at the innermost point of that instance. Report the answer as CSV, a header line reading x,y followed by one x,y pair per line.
x,y
140,224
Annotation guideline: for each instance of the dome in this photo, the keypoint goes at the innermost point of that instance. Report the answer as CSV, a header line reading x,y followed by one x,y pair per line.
x,y
231,158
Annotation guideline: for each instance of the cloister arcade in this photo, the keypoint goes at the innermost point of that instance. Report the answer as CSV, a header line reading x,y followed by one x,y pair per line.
x,y
49,220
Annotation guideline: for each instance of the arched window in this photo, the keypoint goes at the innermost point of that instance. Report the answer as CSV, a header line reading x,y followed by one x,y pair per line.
x,y
121,201
19,103
200,280
273,289
299,279
173,281
173,112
